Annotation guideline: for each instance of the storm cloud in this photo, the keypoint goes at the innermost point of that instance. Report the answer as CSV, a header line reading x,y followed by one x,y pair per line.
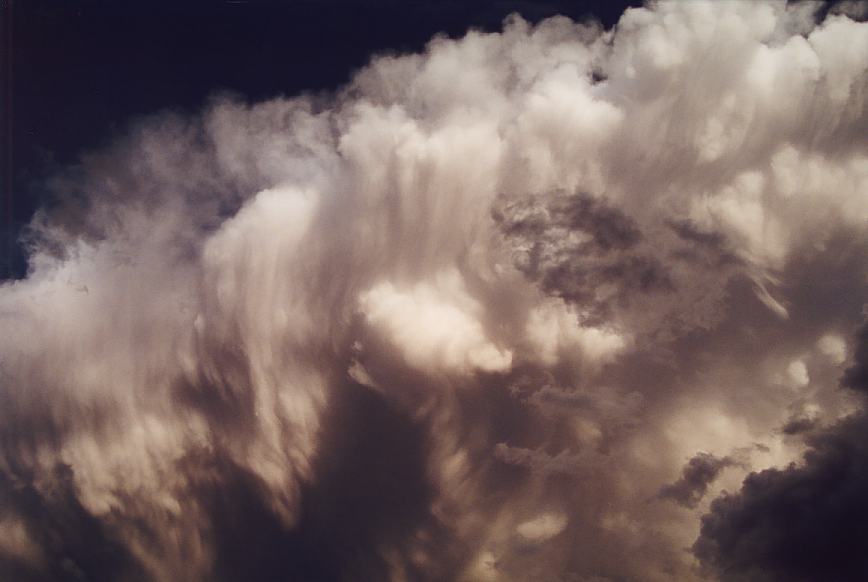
x,y
801,522
464,319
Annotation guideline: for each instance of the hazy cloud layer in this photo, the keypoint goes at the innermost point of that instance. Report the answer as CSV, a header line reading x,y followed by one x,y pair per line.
x,y
466,319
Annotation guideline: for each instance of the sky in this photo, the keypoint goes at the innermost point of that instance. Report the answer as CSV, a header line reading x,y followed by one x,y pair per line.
x,y
434,291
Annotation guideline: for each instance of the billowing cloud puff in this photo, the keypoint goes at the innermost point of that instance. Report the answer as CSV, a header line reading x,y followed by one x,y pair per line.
x,y
542,528
465,318
434,326
553,328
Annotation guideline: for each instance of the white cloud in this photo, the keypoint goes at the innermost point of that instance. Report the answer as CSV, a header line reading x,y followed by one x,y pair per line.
x,y
542,528
797,374
553,327
434,325
833,347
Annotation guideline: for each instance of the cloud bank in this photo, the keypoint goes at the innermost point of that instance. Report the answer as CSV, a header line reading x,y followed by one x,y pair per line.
x,y
483,314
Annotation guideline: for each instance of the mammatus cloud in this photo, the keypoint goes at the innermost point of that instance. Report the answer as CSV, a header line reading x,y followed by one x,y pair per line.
x,y
464,319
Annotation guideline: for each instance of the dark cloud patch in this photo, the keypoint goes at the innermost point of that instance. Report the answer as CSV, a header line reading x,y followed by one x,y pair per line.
x,y
250,541
370,489
798,425
538,461
696,476
369,492
856,377
608,228
225,399
687,231
701,245
76,545
800,523
803,522
581,249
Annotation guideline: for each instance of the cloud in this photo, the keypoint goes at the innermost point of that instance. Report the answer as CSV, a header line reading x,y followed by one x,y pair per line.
x,y
834,347
498,289
434,326
801,522
797,374
536,461
576,247
798,523
543,528
856,376
697,474
798,425
855,9
553,328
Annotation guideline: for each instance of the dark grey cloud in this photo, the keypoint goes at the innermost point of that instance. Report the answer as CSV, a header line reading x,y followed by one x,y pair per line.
x,y
711,247
537,461
798,425
76,545
695,478
803,522
370,491
799,523
856,376
575,245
